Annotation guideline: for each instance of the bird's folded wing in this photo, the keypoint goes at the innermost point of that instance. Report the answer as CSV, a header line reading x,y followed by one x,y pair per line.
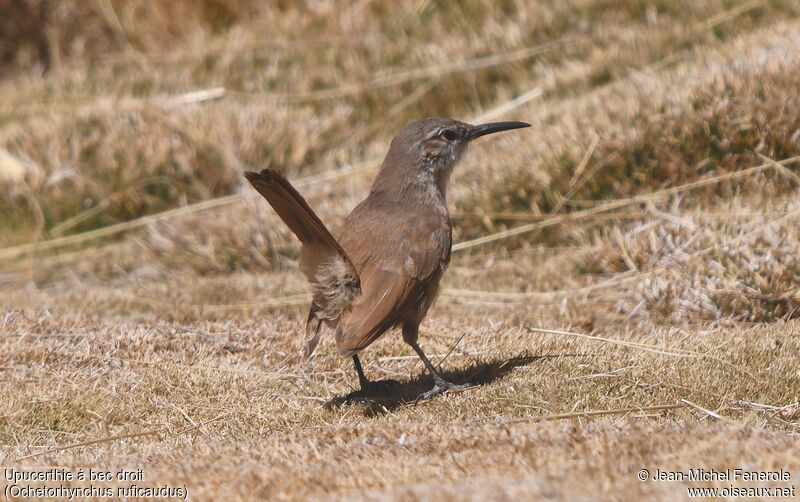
x,y
384,293
392,289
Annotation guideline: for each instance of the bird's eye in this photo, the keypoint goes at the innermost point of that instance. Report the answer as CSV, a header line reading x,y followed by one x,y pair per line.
x,y
449,135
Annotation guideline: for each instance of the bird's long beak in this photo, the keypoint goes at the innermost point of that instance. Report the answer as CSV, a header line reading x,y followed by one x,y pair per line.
x,y
493,127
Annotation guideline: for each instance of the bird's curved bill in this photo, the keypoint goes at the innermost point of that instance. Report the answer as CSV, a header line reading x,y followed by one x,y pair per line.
x,y
493,127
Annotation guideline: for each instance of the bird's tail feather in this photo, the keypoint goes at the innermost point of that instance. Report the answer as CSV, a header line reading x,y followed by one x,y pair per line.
x,y
313,326
293,209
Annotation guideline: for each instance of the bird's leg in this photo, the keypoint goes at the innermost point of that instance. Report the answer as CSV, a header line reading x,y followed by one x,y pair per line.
x,y
439,384
362,378
368,386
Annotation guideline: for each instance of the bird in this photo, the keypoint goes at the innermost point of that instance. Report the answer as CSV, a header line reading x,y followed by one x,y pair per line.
x,y
384,266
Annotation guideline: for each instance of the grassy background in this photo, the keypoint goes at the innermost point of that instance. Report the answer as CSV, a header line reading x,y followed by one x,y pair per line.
x,y
146,289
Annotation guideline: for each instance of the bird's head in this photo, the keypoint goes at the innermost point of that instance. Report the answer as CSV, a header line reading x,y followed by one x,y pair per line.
x,y
427,150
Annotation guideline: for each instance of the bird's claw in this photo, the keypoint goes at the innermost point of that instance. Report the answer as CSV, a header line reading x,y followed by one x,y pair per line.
x,y
440,387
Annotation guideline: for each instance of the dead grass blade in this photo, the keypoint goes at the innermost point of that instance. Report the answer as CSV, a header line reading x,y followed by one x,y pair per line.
x,y
648,348
633,345
727,15
91,442
71,240
598,413
118,437
508,106
708,412
437,70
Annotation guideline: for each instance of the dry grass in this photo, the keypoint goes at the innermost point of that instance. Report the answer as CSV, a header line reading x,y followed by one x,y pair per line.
x,y
623,292
236,412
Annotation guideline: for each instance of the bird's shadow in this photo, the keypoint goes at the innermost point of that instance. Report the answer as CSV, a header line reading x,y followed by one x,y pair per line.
x,y
406,392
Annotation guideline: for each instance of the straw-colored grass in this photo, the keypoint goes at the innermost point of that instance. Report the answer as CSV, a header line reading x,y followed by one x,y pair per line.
x,y
623,292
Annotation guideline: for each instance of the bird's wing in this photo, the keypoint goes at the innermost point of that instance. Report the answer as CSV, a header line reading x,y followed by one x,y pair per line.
x,y
384,293
391,289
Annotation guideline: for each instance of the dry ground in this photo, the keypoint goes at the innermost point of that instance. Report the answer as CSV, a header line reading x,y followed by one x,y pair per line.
x,y
624,287
231,410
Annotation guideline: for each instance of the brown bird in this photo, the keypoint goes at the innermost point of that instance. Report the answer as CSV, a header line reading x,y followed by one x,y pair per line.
x,y
384,266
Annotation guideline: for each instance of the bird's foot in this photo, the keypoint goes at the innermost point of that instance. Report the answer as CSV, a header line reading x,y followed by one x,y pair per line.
x,y
439,387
